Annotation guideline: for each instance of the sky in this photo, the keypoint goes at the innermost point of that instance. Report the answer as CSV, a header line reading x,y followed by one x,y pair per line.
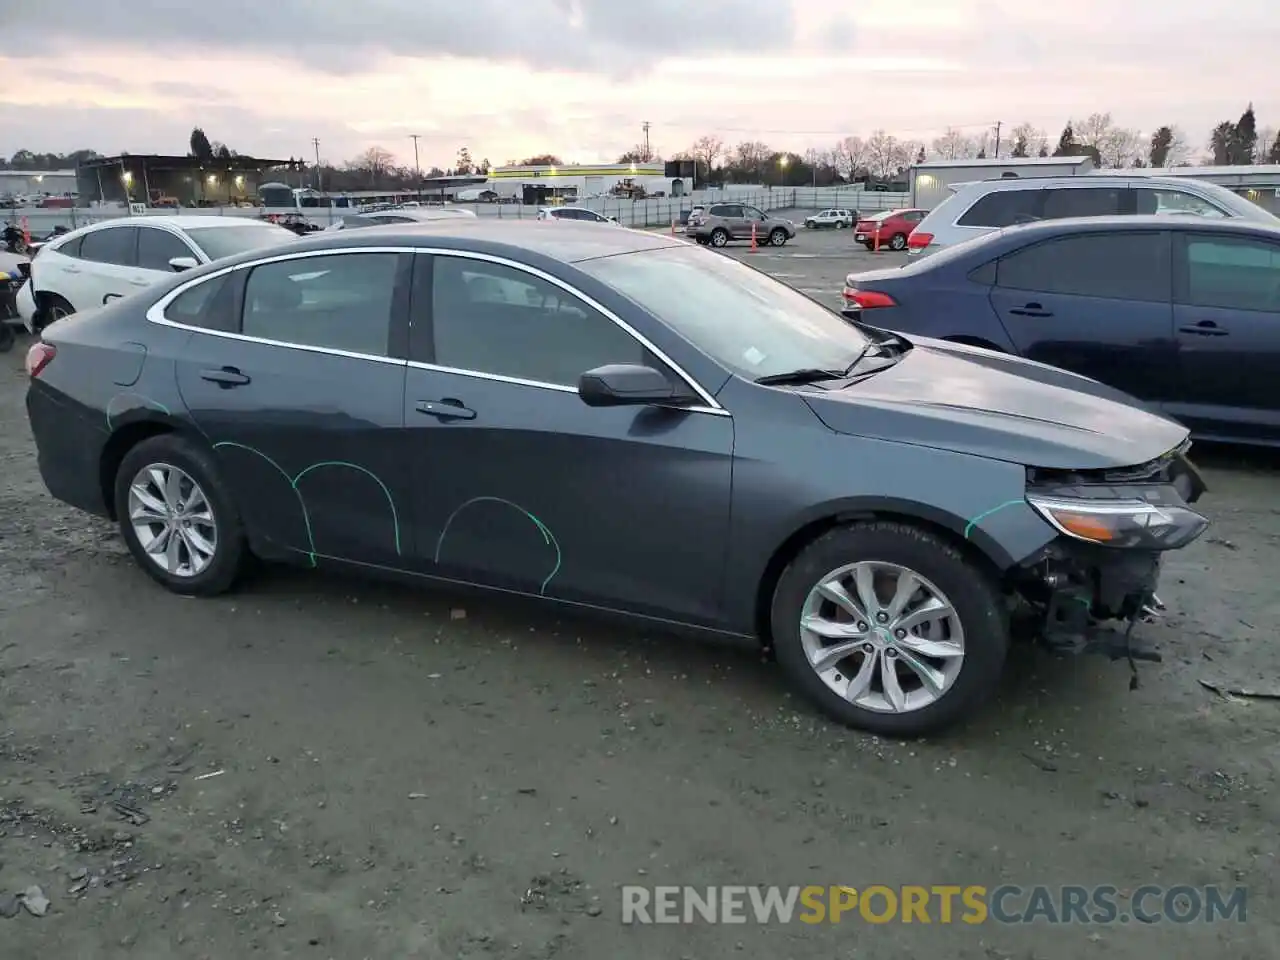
x,y
577,78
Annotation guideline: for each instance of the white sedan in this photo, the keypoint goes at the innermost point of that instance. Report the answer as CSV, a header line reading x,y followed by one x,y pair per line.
x,y
102,262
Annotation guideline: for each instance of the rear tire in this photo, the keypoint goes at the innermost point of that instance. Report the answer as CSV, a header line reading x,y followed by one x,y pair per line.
x,y
898,241
955,608
719,237
52,307
142,492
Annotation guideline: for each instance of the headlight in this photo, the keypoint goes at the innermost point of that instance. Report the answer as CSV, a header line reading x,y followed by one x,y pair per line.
x,y
1121,523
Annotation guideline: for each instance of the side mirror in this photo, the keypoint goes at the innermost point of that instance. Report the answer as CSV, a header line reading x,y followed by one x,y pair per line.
x,y
179,264
625,384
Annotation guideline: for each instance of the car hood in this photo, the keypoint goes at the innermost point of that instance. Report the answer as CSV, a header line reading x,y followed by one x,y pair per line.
x,y
988,404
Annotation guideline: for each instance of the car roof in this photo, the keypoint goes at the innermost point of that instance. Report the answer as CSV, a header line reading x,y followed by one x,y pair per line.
x,y
1159,221
1099,180
571,242
180,222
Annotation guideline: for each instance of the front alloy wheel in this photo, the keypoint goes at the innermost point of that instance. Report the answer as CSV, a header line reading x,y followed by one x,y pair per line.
x,y
890,628
882,637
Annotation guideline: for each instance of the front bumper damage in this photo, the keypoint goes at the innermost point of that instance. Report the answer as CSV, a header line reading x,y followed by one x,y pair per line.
x,y
1088,588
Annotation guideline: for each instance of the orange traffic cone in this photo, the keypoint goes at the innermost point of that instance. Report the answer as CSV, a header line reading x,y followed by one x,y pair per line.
x,y
673,227
877,247
26,232
754,244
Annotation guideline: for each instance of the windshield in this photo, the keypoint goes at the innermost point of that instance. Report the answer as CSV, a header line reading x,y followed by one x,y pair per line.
x,y
752,324
219,242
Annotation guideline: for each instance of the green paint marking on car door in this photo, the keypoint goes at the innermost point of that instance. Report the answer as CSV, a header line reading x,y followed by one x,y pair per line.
x,y
547,535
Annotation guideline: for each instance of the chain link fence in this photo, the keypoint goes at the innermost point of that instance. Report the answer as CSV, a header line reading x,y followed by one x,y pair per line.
x,y
651,212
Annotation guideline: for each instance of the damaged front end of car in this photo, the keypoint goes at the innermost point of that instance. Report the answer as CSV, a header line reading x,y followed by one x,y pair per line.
x,y
1091,585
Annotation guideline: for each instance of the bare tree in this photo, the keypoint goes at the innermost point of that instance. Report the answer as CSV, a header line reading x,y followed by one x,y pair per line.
x,y
1093,132
909,152
706,151
954,145
1266,139
885,155
849,157
1122,147
1028,140
375,161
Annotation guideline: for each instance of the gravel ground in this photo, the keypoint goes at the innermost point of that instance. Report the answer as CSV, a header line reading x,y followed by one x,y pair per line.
x,y
326,768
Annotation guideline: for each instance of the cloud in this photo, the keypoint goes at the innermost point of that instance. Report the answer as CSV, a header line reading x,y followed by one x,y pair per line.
x,y
341,36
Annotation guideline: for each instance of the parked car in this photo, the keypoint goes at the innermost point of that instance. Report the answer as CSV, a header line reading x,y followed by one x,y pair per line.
x,y
889,228
978,208
581,214
1181,312
402,215
693,211
831,218
93,265
618,420
723,222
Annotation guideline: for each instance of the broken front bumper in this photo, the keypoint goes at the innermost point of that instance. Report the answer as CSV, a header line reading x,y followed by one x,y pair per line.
x,y
1095,581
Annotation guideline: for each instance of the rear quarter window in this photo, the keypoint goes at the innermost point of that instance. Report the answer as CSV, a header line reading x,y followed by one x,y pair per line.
x,y
1004,208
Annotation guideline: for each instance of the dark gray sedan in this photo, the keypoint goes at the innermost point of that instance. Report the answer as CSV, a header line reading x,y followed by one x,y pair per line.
x,y
621,421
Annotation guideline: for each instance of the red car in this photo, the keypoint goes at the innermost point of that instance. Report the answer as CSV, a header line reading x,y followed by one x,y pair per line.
x,y
894,227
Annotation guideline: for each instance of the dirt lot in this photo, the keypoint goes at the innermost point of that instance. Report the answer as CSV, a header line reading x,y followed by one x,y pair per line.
x,y
398,774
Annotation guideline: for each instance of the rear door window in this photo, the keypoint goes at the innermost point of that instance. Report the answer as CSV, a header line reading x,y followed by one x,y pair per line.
x,y
1116,266
114,245
1083,202
1231,273
1004,208
726,210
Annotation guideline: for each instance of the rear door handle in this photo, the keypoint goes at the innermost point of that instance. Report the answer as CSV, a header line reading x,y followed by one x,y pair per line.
x,y
1031,310
446,409
1204,328
137,282
225,377
70,269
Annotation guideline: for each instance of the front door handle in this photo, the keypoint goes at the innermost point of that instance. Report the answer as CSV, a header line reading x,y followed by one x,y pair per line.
x,y
225,377
446,409
1204,328
1031,310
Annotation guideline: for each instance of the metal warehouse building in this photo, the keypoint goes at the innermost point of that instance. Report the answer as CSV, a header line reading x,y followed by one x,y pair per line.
x,y
544,184
930,182
37,183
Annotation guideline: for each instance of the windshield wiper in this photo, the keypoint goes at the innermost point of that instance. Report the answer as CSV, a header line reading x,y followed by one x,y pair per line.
x,y
797,377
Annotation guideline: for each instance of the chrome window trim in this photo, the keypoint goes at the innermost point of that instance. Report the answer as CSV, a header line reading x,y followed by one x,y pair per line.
x,y
155,314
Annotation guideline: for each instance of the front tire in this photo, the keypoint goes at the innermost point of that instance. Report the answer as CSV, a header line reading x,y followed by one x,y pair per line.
x,y
888,628
177,517
778,237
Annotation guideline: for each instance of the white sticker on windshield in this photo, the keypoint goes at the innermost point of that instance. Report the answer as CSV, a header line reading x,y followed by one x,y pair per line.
x,y
752,356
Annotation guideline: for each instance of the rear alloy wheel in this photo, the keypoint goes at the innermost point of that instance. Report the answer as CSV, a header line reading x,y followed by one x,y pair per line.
x,y
778,237
719,237
178,521
889,629
899,242
52,307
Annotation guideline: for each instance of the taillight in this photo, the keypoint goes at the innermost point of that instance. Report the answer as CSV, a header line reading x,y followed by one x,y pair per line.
x,y
918,240
39,357
867,299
